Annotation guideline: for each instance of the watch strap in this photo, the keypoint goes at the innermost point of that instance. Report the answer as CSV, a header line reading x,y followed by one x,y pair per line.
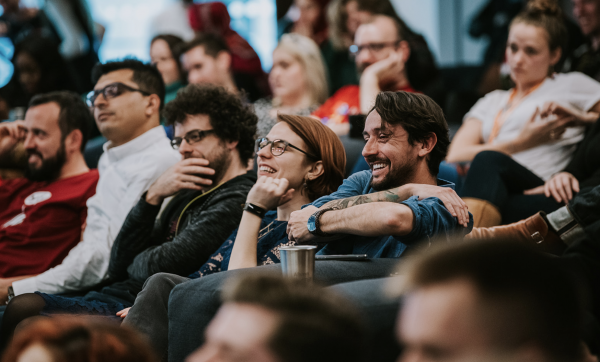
x,y
317,215
254,209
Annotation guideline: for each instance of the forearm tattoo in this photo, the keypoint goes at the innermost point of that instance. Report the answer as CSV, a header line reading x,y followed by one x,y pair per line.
x,y
382,196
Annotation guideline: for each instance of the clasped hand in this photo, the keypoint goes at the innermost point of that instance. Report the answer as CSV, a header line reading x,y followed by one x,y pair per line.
x,y
270,193
185,174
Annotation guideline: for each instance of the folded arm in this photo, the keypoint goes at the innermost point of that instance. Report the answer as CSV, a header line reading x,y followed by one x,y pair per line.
x,y
384,218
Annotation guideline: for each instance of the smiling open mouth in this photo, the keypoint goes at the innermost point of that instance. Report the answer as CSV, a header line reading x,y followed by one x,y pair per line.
x,y
267,169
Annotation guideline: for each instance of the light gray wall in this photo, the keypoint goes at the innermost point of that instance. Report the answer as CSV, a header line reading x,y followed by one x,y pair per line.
x,y
444,24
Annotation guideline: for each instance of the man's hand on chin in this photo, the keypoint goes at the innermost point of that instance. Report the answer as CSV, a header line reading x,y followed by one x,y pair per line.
x,y
297,229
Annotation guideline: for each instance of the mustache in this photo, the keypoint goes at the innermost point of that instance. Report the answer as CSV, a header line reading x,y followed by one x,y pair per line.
x,y
34,152
373,159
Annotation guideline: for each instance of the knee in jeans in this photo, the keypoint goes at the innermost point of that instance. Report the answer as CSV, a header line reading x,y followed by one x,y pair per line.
x,y
490,159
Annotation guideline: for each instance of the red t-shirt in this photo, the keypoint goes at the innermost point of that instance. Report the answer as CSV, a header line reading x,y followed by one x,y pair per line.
x,y
40,222
345,102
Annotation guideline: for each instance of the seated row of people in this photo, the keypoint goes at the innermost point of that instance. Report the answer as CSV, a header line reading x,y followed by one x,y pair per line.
x,y
213,171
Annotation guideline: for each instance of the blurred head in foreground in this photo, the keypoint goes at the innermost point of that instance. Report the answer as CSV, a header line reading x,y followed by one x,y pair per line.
x,y
492,301
268,318
77,339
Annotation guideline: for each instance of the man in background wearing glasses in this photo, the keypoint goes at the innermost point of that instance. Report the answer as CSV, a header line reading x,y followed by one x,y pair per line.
x,y
380,51
126,102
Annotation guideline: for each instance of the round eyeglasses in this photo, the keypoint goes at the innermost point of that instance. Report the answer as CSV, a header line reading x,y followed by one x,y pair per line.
x,y
278,147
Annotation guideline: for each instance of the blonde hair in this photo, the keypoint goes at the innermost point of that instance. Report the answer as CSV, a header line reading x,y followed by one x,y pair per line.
x,y
307,52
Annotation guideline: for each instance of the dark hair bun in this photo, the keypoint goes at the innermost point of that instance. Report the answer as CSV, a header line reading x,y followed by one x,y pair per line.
x,y
544,7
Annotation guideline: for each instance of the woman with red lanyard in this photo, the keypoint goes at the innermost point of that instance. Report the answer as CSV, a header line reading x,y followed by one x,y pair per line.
x,y
529,132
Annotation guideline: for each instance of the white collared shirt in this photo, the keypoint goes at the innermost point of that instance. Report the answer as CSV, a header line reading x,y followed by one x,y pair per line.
x,y
126,172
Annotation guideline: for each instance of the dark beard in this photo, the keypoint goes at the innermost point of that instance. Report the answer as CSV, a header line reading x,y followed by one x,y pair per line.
x,y
395,178
219,161
50,168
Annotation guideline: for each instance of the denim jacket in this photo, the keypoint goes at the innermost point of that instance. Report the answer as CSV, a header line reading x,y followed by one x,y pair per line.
x,y
431,220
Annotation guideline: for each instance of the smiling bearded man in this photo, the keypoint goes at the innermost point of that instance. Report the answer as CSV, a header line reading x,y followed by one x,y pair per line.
x,y
406,138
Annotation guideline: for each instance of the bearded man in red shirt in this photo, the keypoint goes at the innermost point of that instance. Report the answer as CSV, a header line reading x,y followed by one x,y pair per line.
x,y
42,214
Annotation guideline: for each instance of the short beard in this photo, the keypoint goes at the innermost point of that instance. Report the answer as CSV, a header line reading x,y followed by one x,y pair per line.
x,y
397,178
219,160
50,168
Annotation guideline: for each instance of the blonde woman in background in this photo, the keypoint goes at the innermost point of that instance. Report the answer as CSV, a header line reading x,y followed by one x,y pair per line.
x,y
296,90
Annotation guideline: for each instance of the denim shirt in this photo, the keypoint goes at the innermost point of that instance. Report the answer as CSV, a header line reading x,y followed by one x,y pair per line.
x,y
431,220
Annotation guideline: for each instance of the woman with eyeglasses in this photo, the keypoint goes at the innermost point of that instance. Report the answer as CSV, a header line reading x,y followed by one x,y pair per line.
x,y
519,139
299,161
297,80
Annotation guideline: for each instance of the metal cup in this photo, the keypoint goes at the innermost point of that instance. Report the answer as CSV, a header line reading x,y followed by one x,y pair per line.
x,y
298,261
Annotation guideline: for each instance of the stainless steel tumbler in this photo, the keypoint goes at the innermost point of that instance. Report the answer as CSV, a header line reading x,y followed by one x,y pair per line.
x,y
298,261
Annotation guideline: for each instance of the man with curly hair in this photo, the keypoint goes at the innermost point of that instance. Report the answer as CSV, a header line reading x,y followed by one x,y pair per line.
x,y
214,132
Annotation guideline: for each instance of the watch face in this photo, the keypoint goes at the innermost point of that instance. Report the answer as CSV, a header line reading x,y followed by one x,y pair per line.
x,y
311,224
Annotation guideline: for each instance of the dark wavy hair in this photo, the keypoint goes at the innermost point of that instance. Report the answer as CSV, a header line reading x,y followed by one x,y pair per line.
x,y
420,116
231,119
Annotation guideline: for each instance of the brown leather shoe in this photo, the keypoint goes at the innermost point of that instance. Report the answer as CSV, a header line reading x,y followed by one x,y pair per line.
x,y
533,231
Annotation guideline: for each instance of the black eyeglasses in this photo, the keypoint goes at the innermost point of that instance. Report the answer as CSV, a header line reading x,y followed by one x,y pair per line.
x,y
372,47
112,90
191,137
278,147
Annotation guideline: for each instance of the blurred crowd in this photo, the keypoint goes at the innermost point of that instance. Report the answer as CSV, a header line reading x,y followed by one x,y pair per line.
x,y
144,206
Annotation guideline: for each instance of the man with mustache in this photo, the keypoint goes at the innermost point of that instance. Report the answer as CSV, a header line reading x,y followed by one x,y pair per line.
x,y
126,102
373,212
42,214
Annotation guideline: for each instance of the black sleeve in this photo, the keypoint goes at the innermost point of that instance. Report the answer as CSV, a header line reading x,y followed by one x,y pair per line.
x,y
190,249
580,164
139,231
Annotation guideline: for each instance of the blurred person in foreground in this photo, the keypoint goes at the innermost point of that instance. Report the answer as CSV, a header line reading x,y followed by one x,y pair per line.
x,y
43,213
72,339
494,301
270,319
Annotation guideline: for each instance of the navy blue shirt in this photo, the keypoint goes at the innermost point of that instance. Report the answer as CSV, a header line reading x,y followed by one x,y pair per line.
x,y
431,220
271,237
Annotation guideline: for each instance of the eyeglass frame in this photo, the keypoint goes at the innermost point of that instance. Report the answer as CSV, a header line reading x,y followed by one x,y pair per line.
x,y
91,97
369,47
286,144
202,134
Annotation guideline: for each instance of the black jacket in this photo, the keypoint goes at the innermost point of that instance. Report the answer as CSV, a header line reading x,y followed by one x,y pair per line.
x,y
191,227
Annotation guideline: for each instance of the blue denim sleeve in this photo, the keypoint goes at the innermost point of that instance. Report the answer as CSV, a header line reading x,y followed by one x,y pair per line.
x,y
432,219
356,184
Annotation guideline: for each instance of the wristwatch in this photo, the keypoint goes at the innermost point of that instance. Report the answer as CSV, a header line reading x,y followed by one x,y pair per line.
x,y
314,222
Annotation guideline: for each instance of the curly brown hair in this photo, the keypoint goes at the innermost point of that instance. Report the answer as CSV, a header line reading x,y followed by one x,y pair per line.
x,y
232,119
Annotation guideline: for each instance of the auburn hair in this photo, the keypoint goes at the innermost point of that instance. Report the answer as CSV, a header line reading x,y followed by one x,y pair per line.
x,y
75,339
326,146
